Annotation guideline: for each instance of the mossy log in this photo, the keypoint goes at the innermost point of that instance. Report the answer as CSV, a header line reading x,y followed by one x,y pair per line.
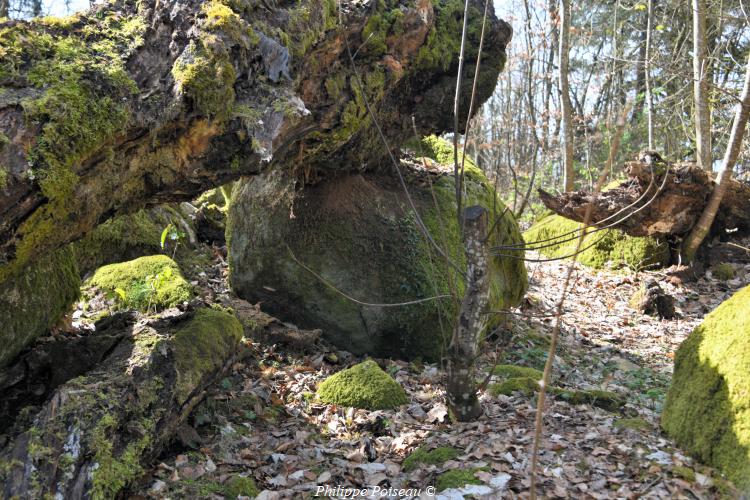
x,y
132,104
674,210
97,432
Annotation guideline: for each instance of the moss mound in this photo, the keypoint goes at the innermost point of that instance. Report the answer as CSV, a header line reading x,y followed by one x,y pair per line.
x,y
364,385
456,478
524,385
707,410
723,271
358,233
34,300
240,486
432,457
608,248
152,282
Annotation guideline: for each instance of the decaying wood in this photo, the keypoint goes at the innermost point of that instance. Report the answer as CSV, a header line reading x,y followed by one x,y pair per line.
x,y
266,329
671,210
193,94
98,431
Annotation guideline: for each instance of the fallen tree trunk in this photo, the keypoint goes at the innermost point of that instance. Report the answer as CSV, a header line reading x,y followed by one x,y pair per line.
x,y
96,433
136,103
647,209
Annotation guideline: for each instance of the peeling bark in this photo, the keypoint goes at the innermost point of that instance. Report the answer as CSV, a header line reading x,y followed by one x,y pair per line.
x,y
464,347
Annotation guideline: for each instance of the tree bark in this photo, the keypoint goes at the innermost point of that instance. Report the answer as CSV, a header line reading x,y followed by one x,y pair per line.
x,y
156,102
701,73
464,347
647,71
724,183
673,210
97,432
567,107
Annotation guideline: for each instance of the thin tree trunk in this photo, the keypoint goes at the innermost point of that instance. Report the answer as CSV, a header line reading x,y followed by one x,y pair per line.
x,y
4,8
647,69
703,226
567,108
701,75
464,347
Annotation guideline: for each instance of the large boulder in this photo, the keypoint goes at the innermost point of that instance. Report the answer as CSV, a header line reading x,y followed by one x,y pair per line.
x,y
305,257
35,300
708,405
555,236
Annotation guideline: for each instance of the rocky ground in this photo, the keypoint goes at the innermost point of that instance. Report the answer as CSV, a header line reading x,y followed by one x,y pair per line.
x,y
263,422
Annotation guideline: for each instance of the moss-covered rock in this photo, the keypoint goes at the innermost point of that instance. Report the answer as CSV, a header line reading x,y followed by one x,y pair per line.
x,y
421,456
359,235
606,248
35,300
364,385
707,410
152,282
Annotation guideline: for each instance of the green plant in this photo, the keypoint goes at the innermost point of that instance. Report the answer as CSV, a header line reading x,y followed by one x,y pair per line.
x,y
173,234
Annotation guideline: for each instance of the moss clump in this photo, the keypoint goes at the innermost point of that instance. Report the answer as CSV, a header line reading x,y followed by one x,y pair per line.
x,y
524,385
441,151
456,478
443,43
606,400
707,410
364,385
207,80
35,299
683,472
636,424
113,474
723,271
609,247
513,371
240,486
432,457
202,345
147,282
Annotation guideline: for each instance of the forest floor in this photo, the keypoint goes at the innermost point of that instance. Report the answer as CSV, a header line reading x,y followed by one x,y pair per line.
x,y
263,421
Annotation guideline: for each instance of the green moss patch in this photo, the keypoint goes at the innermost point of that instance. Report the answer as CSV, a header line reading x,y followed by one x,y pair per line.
x,y
35,299
513,371
421,456
606,400
364,385
524,385
609,247
456,478
202,346
723,271
707,410
152,282
240,486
